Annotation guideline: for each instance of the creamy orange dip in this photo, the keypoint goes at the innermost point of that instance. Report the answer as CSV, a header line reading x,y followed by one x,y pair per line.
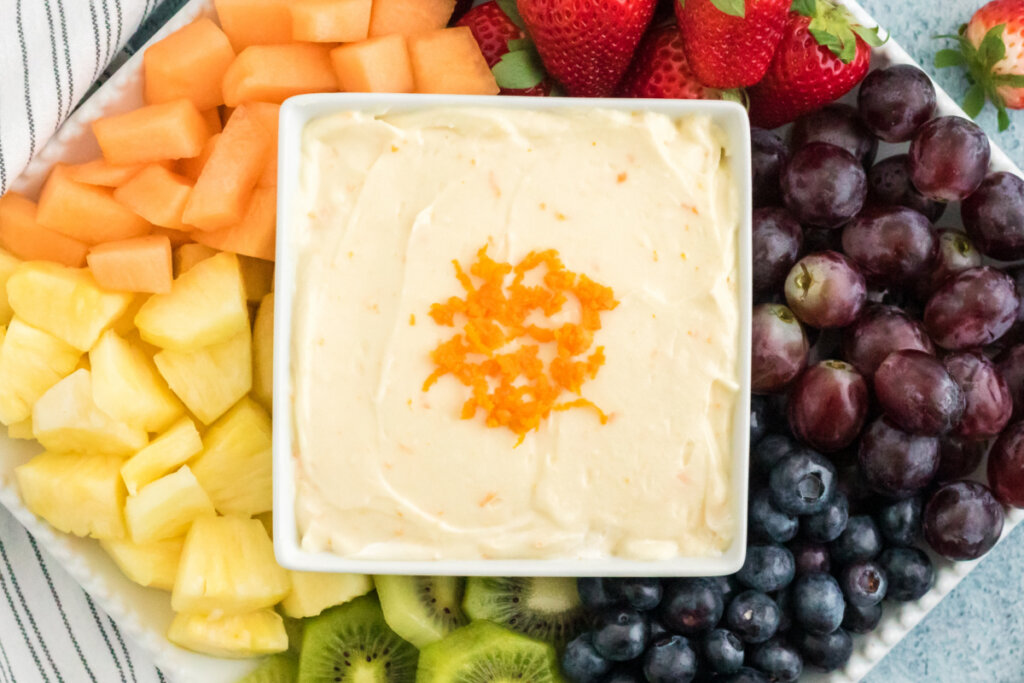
x,y
631,455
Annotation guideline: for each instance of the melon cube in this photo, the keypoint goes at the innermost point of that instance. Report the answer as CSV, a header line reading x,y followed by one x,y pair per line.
x,y
236,636
221,194
407,17
213,122
154,565
211,379
273,73
102,172
142,264
127,386
255,235
175,237
192,168
313,592
188,255
31,361
205,306
87,213
24,237
263,353
170,130
163,454
268,114
449,61
77,494
156,194
330,21
190,63
166,507
255,22
375,65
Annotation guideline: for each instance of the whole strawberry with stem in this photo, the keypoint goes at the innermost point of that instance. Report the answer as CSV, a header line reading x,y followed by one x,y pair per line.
x,y
501,35
730,43
660,69
991,47
823,54
587,45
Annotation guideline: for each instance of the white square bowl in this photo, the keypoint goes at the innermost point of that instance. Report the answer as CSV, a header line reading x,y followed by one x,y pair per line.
x,y
730,117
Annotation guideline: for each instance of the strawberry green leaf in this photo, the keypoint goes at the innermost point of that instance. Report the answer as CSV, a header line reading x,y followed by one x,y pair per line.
x,y
519,44
734,8
519,69
869,35
974,100
1004,119
827,39
948,57
807,8
737,95
992,49
509,8
1012,80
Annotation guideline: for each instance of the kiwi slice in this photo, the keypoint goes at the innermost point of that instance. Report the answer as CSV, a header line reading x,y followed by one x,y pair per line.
x,y
352,643
282,668
484,652
422,609
548,609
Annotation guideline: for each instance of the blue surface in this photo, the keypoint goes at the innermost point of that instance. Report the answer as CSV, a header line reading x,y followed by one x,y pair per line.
x,y
977,632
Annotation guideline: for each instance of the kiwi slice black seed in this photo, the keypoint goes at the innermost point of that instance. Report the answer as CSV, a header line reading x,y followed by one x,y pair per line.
x,y
352,643
484,652
422,609
282,668
548,609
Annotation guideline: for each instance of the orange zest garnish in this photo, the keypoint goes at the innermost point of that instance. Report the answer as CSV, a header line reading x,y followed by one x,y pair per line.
x,y
497,354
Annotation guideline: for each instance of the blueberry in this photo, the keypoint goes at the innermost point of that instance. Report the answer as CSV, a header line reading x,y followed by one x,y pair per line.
x,y
768,452
862,619
692,606
729,586
744,675
909,571
826,525
767,568
900,522
658,630
784,599
723,651
802,483
863,583
597,593
810,556
581,663
620,634
861,540
670,660
768,523
827,652
639,593
758,418
817,603
753,616
778,659
625,674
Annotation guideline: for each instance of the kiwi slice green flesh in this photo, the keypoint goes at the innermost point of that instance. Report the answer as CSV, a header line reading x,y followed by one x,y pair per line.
x,y
422,609
282,668
484,652
547,609
352,643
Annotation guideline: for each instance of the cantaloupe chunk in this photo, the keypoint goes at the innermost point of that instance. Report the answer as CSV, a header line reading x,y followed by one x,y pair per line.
x,y
221,194
375,65
255,22
156,194
449,61
102,172
273,73
268,114
409,16
87,213
191,168
142,264
330,21
176,237
189,63
254,235
24,237
213,122
188,255
170,130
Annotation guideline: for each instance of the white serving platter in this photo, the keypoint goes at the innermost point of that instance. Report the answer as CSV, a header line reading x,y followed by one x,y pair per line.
x,y
144,614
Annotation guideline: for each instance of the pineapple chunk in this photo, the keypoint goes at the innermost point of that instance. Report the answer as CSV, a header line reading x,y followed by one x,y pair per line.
x,y
67,420
239,636
257,277
66,302
125,325
205,306
126,386
212,379
228,567
154,565
263,353
78,494
8,264
187,255
31,361
166,508
313,592
21,430
166,452
267,520
236,466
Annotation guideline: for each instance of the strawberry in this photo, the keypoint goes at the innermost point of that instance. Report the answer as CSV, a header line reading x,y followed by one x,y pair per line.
x,y
823,54
587,45
660,69
729,43
992,49
498,29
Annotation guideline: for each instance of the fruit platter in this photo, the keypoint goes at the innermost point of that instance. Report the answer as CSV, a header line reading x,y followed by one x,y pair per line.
x,y
141,338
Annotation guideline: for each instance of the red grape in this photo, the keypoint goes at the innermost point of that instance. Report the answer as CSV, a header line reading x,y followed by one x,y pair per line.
x,y
956,254
879,331
779,348
994,216
959,457
839,125
988,405
974,308
897,464
1006,466
824,185
918,393
889,185
827,405
1011,367
891,244
896,101
768,154
776,239
962,520
826,290
949,158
